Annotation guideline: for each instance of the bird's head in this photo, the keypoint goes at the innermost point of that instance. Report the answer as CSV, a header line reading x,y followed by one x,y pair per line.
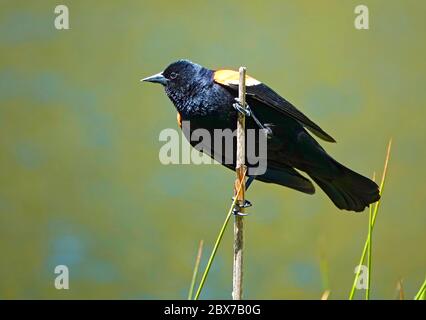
x,y
182,80
177,75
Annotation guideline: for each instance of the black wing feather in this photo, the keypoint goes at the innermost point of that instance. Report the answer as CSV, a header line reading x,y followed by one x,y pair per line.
x,y
264,94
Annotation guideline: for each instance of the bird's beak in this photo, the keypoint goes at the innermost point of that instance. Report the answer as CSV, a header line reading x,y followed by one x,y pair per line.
x,y
156,78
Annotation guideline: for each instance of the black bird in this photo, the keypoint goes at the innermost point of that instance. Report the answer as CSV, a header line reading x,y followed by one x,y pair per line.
x,y
206,98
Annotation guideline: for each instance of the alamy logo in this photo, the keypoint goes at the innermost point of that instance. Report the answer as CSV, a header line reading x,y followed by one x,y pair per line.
x,y
362,281
362,18
62,21
62,280
219,145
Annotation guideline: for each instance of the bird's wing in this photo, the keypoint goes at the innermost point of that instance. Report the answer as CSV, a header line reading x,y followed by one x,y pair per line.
x,y
266,95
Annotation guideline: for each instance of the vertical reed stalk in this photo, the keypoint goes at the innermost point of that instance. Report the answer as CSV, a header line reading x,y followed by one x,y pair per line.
x,y
237,278
217,243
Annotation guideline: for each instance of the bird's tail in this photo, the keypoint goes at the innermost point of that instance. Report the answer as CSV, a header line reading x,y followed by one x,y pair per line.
x,y
347,189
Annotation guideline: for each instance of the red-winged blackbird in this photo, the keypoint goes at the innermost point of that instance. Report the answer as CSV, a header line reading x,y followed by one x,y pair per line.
x,y
206,98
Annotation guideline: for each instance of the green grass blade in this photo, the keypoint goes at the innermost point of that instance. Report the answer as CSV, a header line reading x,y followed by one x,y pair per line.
x,y
218,240
369,255
194,274
351,295
373,221
421,295
370,231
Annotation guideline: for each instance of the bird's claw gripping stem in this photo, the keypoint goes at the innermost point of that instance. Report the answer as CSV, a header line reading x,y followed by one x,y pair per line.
x,y
237,106
248,113
237,208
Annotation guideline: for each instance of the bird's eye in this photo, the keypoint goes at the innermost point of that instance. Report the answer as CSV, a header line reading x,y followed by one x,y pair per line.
x,y
173,75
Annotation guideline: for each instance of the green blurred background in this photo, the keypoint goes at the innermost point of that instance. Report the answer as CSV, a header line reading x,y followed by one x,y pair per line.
x,y
82,185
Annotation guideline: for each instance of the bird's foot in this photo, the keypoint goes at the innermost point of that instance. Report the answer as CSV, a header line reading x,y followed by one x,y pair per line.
x,y
248,113
244,110
247,204
237,208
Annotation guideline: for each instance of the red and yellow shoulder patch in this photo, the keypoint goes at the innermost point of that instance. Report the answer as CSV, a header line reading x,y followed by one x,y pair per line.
x,y
179,119
231,77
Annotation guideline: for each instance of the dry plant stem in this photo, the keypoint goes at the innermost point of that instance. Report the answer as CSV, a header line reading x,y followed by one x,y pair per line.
x,y
400,289
237,277
217,243
197,265
325,295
